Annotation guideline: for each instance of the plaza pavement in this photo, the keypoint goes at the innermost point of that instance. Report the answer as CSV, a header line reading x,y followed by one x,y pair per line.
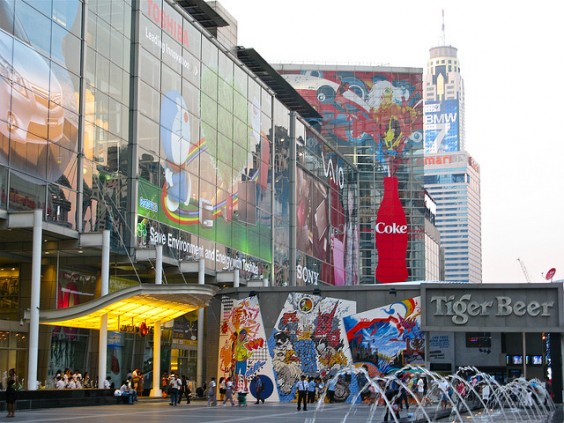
x,y
159,411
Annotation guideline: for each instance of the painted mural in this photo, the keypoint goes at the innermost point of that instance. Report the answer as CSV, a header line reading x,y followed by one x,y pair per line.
x,y
308,338
316,336
379,112
243,353
387,338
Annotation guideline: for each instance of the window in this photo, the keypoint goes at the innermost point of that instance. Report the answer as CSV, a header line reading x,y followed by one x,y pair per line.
x,y
478,340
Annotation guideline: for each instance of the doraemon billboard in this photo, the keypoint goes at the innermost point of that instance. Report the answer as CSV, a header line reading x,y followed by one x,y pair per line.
x,y
212,197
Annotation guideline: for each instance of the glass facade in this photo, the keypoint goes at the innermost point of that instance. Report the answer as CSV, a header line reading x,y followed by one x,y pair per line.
x,y
454,184
128,116
204,149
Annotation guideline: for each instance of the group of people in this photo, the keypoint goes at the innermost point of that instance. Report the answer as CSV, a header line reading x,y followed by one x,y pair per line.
x,y
126,393
227,390
73,380
176,387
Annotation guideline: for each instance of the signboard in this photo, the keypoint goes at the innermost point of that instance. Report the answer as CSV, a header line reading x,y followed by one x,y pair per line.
x,y
391,236
493,307
441,127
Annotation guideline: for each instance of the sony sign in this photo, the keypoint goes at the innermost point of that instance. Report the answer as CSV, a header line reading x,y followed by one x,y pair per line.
x,y
461,308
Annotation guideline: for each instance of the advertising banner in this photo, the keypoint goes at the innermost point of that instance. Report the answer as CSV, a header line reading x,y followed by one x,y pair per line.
x,y
441,123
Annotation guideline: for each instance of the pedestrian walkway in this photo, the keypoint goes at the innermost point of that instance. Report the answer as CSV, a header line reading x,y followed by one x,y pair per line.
x,y
150,410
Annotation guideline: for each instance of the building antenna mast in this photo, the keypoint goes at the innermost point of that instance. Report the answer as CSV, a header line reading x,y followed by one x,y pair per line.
x,y
443,29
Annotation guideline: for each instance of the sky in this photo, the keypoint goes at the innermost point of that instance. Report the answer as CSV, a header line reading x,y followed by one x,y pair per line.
x,y
510,58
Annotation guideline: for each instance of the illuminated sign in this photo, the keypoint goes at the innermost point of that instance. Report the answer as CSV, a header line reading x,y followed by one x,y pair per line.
x,y
142,329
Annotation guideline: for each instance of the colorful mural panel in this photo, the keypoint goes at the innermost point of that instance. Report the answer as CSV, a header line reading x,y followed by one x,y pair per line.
x,y
308,338
387,338
243,353
380,112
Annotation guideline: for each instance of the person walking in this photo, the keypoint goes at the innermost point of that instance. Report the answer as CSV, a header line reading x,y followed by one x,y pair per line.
x,y
184,390
311,386
331,385
228,392
259,390
174,385
302,387
212,398
221,388
11,394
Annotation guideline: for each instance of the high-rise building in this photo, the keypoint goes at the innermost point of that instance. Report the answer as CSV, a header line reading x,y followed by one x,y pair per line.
x,y
452,176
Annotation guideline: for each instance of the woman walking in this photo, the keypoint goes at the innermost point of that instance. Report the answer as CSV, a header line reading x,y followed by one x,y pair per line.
x,y
228,392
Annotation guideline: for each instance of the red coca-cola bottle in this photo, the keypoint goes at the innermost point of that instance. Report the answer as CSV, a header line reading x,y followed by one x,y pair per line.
x,y
391,235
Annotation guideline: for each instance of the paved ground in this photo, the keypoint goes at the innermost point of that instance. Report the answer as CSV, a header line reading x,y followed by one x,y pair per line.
x,y
158,411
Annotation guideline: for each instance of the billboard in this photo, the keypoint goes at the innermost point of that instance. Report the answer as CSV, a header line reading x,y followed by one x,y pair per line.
x,y
378,112
212,192
441,124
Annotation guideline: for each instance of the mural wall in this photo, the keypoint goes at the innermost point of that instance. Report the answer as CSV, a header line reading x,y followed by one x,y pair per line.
x,y
316,336
243,354
387,338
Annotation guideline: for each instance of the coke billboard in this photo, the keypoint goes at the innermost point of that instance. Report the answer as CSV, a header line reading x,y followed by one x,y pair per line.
x,y
391,236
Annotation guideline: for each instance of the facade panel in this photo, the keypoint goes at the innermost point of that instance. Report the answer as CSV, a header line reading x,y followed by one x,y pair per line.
x,y
374,118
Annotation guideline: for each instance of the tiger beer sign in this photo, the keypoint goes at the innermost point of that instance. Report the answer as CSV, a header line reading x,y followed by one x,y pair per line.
x,y
501,307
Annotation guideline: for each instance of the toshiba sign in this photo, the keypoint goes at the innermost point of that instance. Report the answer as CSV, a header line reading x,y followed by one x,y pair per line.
x,y
498,307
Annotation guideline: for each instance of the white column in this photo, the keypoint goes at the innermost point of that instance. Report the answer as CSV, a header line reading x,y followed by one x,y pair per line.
x,y
34,304
200,346
156,390
159,265
524,353
105,289
236,278
157,334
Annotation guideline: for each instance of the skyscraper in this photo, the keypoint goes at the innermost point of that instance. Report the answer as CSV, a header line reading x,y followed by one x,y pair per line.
x,y
452,176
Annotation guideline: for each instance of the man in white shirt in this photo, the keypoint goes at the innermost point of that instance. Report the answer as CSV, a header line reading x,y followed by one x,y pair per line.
x,y
60,384
126,392
302,387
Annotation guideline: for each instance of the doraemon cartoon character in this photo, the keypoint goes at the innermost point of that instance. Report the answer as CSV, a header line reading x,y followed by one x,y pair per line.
x,y
175,140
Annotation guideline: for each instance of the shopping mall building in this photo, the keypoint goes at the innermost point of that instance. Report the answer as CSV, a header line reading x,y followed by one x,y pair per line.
x,y
153,175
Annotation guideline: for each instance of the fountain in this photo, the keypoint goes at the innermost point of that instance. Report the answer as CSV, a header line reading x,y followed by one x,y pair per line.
x,y
469,395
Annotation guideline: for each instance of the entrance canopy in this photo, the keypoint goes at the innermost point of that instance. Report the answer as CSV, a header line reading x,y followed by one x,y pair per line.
x,y
149,304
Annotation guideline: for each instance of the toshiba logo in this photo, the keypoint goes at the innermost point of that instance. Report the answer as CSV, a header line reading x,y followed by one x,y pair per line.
x,y
393,228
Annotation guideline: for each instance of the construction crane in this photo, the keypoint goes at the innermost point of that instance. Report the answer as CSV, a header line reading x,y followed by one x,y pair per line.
x,y
524,269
